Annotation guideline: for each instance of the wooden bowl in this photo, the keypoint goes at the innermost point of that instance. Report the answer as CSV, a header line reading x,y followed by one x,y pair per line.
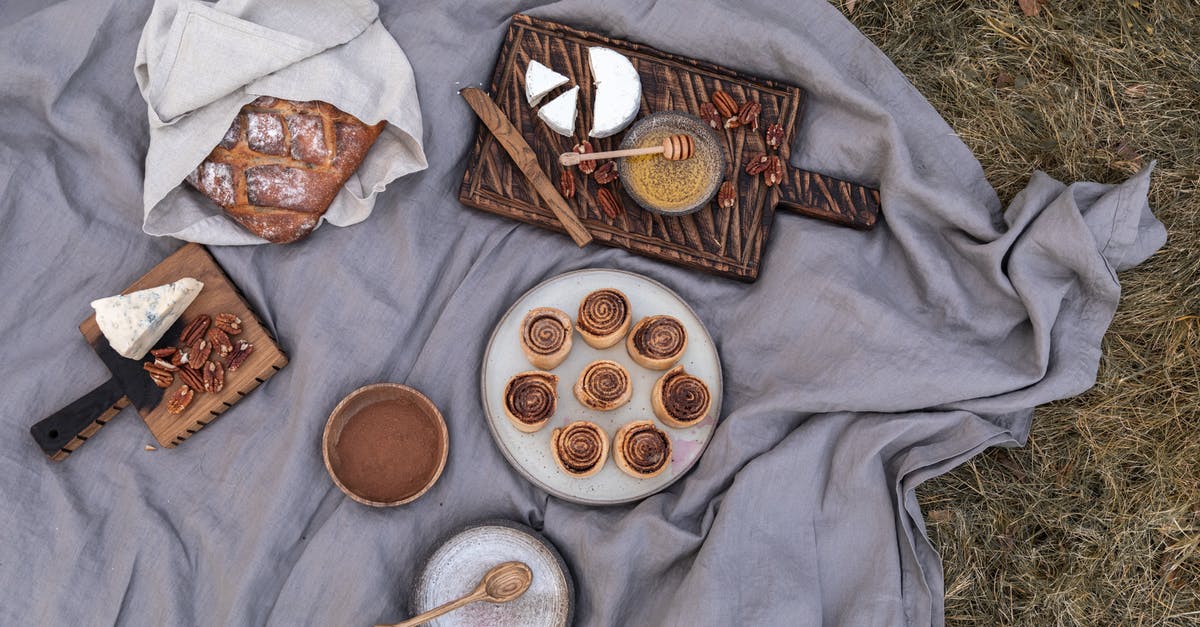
x,y
393,453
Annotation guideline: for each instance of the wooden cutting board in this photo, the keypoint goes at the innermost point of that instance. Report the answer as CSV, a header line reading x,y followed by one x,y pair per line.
x,y
728,242
219,295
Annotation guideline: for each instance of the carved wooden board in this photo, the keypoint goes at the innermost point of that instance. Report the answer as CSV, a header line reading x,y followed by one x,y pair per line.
x,y
219,295
727,242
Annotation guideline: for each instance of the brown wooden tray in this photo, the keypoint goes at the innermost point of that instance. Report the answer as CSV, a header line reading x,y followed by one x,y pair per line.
x,y
219,295
726,242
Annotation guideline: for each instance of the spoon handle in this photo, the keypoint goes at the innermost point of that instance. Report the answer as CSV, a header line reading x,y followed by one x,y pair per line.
x,y
439,610
574,158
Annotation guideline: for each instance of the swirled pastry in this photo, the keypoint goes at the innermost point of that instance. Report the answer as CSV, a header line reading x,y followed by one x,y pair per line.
x,y
604,385
530,399
546,337
604,317
641,449
657,342
680,400
580,448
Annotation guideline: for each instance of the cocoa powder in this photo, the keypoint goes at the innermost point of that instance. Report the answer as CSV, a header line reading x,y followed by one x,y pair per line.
x,y
389,450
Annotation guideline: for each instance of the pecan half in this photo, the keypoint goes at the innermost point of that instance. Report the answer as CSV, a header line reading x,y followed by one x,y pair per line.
x,y
774,172
748,114
709,114
219,341
159,375
724,104
195,330
180,400
566,184
240,353
757,164
732,122
214,377
191,378
198,353
164,353
229,323
774,135
610,205
727,195
180,358
165,365
606,173
589,166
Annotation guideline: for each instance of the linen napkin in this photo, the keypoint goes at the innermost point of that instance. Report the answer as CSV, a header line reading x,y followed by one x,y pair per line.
x,y
198,63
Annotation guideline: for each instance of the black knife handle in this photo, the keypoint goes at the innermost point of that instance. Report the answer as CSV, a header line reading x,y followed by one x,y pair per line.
x,y
68,428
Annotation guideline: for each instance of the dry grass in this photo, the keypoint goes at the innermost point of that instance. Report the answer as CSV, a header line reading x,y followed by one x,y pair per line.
x,y
1097,520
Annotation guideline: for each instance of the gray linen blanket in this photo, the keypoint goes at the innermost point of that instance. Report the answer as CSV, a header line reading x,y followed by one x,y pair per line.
x,y
859,365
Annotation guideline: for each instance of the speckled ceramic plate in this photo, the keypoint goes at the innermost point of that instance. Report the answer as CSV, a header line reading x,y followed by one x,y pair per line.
x,y
685,186
455,567
530,453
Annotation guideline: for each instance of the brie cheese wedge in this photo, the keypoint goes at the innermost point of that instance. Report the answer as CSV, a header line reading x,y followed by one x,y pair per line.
x,y
133,323
539,81
618,91
559,114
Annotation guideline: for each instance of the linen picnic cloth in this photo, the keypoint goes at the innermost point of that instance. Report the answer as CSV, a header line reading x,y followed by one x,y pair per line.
x,y
859,364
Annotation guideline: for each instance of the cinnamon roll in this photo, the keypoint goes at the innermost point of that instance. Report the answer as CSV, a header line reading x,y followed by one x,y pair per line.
x,y
641,450
680,400
546,337
604,385
657,342
580,448
530,399
603,317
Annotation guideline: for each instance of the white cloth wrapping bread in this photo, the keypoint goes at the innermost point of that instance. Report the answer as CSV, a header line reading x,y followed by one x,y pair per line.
x,y
198,63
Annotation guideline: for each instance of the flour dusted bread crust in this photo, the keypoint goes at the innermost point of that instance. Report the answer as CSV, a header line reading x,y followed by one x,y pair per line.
x,y
281,163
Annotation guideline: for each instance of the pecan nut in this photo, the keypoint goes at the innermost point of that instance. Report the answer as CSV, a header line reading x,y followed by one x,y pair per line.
x,y
219,341
727,195
195,330
214,377
566,184
732,122
198,353
164,353
165,365
606,173
724,104
748,114
709,114
191,378
180,399
229,323
757,164
239,355
774,135
773,175
610,205
159,375
589,166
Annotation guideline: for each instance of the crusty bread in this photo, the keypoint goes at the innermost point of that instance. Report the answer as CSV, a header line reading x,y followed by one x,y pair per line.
x,y
281,163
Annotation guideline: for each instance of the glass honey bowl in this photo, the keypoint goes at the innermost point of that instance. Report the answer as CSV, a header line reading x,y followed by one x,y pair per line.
x,y
672,187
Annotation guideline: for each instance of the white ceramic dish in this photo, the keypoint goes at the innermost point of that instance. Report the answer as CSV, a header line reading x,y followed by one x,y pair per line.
x,y
530,453
455,568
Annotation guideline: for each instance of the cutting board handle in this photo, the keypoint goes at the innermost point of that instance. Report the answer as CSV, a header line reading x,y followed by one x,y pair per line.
x,y
826,198
68,428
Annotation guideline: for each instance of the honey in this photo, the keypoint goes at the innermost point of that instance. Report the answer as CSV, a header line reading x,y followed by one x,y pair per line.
x,y
670,185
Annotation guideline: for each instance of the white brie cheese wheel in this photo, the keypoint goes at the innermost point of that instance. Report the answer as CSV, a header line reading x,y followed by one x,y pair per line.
x,y
133,323
618,91
539,81
559,114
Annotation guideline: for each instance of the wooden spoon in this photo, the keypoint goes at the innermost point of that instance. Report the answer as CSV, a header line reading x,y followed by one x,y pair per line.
x,y
673,148
501,584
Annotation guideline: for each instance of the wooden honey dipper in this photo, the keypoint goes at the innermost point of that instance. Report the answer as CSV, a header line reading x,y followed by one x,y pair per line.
x,y
673,148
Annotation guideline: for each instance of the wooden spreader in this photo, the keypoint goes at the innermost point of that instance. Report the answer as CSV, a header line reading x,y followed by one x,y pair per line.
x,y
728,242
67,429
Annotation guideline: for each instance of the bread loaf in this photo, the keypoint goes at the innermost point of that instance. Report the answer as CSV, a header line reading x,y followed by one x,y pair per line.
x,y
281,163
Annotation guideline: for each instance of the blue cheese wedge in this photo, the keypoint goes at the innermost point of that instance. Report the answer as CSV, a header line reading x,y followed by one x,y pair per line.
x,y
539,81
559,114
134,322
618,91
